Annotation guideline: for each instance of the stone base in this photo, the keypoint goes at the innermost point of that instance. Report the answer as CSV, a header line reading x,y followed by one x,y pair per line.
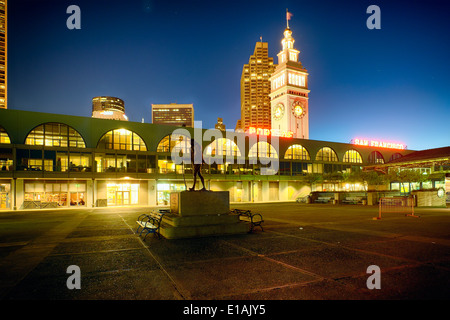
x,y
200,214
174,220
197,231
195,203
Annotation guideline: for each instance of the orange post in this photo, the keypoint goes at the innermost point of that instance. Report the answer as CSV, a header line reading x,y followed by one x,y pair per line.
x,y
412,209
379,211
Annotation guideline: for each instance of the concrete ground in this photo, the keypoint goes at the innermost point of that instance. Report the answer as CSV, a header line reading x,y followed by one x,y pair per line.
x,y
306,252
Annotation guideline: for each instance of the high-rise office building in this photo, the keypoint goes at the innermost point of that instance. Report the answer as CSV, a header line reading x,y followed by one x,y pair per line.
x,y
108,108
255,89
3,54
173,114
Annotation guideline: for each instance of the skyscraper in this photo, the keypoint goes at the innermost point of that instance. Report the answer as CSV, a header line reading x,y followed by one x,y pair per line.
x,y
173,114
220,125
3,54
238,127
108,108
255,89
289,90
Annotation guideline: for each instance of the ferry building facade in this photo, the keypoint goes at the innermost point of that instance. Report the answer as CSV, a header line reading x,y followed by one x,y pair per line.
x,y
53,160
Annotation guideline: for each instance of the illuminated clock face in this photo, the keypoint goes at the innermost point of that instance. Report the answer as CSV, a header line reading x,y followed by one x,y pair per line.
x,y
279,111
298,109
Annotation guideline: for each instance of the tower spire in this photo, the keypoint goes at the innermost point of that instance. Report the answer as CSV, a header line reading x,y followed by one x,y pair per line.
x,y
289,89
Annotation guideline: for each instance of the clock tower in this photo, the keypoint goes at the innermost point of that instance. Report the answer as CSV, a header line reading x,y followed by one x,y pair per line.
x,y
289,91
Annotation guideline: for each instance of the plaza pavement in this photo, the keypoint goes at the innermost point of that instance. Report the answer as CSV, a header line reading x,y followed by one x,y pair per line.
x,y
306,252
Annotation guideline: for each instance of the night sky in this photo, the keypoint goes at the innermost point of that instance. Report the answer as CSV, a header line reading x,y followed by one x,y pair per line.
x,y
391,84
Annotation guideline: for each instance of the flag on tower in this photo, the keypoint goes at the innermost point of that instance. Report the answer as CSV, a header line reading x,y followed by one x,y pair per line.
x,y
288,15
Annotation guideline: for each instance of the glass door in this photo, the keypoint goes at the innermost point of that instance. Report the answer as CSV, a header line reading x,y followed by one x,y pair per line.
x,y
4,200
126,198
122,198
119,198
122,194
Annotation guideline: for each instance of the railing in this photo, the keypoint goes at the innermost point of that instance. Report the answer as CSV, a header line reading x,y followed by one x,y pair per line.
x,y
396,205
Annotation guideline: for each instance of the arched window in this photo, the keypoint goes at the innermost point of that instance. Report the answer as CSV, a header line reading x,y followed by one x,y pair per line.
x,y
262,149
223,147
297,152
395,156
326,154
121,139
4,138
180,142
54,134
352,156
376,157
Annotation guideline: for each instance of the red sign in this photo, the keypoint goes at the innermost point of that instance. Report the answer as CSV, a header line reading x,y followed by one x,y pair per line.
x,y
379,144
271,132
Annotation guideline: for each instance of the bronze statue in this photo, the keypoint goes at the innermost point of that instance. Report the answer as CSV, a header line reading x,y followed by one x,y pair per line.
x,y
196,153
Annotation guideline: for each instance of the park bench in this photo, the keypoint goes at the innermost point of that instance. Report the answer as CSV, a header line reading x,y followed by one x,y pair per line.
x,y
302,199
352,200
323,199
150,223
255,219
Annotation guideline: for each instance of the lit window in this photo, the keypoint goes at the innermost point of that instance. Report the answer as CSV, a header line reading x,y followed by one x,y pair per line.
x,y
262,149
297,152
180,142
223,147
395,156
326,154
4,138
122,139
376,157
352,156
55,135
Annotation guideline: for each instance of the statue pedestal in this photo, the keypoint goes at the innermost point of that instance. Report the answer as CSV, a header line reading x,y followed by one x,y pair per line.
x,y
200,214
